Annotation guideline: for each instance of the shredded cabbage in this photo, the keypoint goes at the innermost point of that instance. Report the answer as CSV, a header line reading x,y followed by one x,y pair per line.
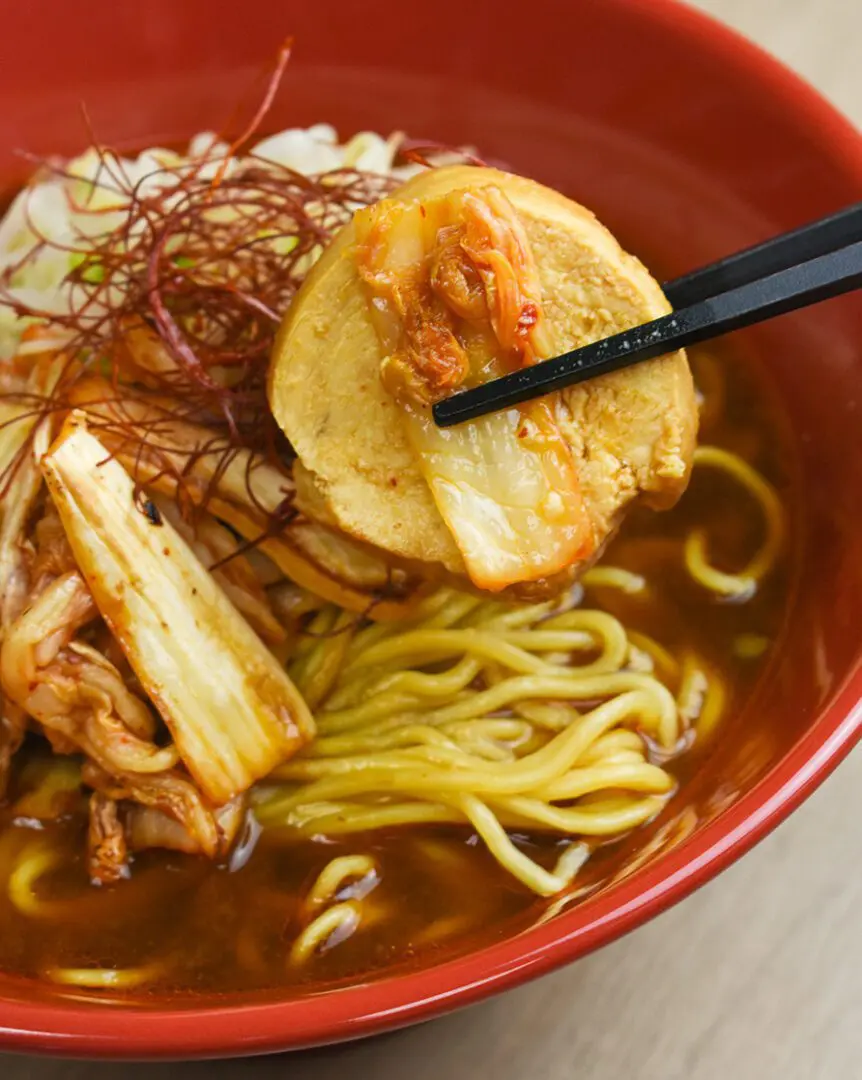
x,y
60,209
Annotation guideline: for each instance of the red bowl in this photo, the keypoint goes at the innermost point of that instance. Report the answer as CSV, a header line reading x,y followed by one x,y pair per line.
x,y
689,142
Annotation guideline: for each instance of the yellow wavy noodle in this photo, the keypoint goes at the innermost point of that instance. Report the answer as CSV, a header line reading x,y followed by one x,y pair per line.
x,y
743,583
330,928
750,646
104,978
615,577
33,862
337,897
49,787
354,873
661,662
500,744
702,695
537,717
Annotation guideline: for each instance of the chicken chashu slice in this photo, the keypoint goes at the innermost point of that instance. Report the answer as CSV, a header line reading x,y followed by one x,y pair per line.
x,y
630,434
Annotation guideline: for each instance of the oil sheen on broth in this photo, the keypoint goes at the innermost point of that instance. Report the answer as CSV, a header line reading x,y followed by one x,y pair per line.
x,y
181,924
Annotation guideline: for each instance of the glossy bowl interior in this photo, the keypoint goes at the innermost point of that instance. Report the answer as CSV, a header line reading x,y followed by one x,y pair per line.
x,y
689,143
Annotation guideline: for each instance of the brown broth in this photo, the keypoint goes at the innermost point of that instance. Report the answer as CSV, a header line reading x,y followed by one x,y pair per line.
x,y
228,929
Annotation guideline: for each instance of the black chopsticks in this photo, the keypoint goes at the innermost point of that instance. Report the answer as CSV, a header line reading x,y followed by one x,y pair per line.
x,y
802,267
778,253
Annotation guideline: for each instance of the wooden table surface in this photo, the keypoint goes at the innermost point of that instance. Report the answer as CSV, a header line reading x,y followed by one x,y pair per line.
x,y
759,975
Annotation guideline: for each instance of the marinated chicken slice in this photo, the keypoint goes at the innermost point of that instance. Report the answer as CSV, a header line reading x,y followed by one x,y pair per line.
x,y
464,274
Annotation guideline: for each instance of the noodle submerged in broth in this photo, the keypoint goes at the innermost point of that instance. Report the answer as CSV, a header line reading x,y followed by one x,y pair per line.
x,y
469,758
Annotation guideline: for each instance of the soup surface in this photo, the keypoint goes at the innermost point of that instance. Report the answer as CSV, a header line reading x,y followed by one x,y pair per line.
x,y
181,924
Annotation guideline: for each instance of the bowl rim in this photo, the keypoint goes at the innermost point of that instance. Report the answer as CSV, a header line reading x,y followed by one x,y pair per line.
x,y
84,1030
